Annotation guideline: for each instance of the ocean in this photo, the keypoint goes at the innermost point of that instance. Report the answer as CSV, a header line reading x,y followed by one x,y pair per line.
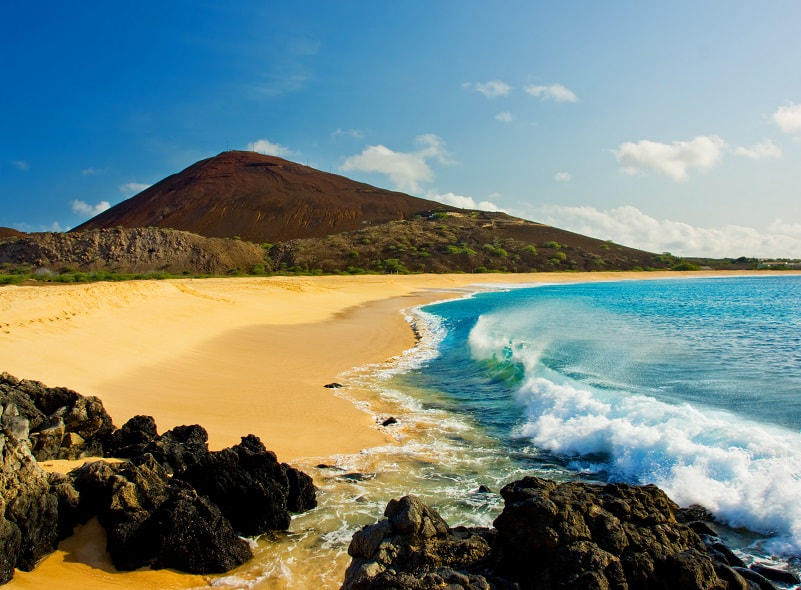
x,y
690,384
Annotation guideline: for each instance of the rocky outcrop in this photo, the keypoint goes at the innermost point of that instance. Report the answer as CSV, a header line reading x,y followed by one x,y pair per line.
x,y
137,250
246,481
28,510
414,548
153,520
61,424
549,536
174,504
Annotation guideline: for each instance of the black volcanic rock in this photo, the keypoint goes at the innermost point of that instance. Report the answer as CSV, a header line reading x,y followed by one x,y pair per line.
x,y
253,490
175,504
549,536
258,198
153,520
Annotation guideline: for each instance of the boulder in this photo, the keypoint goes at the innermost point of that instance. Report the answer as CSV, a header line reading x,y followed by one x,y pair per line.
x,y
414,548
549,536
62,424
152,520
28,510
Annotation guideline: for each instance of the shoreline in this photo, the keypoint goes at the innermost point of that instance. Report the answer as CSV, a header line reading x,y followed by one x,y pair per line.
x,y
266,346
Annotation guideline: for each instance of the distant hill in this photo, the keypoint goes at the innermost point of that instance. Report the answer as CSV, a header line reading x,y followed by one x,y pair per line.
x,y
460,241
260,199
245,213
10,232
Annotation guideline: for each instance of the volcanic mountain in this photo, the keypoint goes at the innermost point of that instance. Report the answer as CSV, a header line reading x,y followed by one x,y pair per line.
x,y
260,199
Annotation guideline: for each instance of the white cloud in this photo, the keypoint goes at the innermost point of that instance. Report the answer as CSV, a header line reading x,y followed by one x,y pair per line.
x,y
54,227
673,160
463,202
91,172
504,117
491,89
132,188
788,118
629,226
21,165
268,148
82,208
761,151
406,170
562,177
555,92
354,133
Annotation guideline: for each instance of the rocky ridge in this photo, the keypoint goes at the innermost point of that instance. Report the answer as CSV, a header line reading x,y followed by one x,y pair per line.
x,y
173,504
552,536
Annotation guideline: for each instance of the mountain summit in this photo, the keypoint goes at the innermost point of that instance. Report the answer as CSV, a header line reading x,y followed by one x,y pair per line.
x,y
260,199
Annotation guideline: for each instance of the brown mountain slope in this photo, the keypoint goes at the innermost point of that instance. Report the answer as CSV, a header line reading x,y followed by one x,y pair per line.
x,y
260,199
460,241
10,232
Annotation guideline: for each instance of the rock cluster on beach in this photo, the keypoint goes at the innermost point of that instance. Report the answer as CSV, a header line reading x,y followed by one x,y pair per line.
x,y
549,536
173,504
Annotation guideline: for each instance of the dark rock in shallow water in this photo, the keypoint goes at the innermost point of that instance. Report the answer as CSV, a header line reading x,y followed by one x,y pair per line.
x,y
414,548
549,536
333,385
389,421
775,574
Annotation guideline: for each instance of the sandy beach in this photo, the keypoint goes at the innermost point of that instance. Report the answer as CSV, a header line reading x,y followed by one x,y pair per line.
x,y
238,356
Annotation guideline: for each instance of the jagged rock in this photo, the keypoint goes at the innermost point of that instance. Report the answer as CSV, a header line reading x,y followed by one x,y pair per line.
x,y
333,385
549,536
775,574
414,548
132,438
62,424
28,511
153,520
389,421
250,486
176,450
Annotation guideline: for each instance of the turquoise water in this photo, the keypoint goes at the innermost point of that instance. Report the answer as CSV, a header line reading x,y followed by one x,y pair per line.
x,y
694,385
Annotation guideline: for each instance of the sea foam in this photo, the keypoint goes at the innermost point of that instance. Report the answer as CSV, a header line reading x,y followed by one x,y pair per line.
x,y
746,473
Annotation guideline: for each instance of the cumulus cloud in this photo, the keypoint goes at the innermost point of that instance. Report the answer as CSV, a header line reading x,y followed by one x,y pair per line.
x,y
562,177
555,92
21,165
83,208
788,118
673,160
54,227
491,89
630,226
463,202
406,170
268,148
91,172
132,188
763,150
504,117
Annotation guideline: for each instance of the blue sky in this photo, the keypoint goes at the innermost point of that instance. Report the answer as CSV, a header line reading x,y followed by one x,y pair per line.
x,y
669,126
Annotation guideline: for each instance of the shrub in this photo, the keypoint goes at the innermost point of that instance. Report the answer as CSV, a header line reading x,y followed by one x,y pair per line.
x,y
439,215
552,244
686,266
530,249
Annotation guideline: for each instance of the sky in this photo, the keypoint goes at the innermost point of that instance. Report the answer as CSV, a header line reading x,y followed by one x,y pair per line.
x,y
669,126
